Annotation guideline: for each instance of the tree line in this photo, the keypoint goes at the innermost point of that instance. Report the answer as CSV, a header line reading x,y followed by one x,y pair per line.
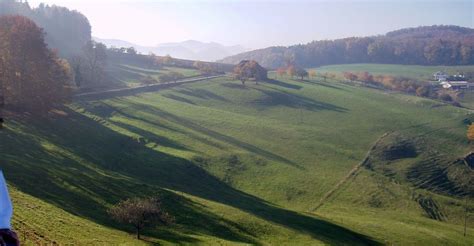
x,y
66,30
433,45
32,77
401,84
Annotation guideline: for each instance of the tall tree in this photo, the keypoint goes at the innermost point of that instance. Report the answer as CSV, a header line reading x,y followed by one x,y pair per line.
x,y
31,76
91,64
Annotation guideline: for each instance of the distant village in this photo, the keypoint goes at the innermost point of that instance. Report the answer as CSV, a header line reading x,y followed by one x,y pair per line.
x,y
456,82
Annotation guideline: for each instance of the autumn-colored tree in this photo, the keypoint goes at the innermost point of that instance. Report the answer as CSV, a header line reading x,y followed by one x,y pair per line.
x,y
313,73
470,132
206,68
350,76
325,76
281,71
31,76
365,77
140,213
291,71
246,70
167,60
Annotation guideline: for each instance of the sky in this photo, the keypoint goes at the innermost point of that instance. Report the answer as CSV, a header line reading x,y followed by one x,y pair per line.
x,y
261,23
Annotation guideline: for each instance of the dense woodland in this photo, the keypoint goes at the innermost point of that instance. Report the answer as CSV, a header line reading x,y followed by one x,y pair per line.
x,y
66,30
430,45
32,77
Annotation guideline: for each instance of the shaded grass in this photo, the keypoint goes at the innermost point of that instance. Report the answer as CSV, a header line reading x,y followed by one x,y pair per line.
x,y
237,164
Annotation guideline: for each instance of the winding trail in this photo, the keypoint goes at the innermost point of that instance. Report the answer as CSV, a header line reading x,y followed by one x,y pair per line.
x,y
350,175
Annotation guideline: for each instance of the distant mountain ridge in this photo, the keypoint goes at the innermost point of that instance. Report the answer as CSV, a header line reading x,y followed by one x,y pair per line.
x,y
190,49
426,45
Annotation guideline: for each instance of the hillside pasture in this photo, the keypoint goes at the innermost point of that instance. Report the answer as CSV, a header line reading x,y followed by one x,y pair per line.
x,y
238,165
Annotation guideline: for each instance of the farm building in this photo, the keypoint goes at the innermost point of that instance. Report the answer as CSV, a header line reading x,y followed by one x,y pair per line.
x,y
457,85
440,76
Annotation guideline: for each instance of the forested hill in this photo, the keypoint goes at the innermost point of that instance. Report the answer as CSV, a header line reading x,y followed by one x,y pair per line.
x,y
66,30
428,45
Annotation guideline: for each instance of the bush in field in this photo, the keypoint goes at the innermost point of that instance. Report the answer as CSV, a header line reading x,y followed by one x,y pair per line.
x,y
175,76
164,78
140,213
148,80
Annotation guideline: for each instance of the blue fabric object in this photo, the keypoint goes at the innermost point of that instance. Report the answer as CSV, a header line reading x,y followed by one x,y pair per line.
x,y
6,208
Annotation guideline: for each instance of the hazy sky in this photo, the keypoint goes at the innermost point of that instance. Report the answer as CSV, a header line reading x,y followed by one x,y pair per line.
x,y
256,24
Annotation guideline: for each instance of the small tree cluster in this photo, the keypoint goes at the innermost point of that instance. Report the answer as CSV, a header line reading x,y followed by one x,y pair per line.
x,y
350,76
293,71
248,69
206,68
170,77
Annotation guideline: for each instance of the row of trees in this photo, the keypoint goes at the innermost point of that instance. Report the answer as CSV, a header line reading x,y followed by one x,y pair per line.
x,y
293,71
32,77
436,45
406,85
207,68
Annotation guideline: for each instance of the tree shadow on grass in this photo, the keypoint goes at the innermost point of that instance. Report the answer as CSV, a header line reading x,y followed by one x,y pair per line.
x,y
84,177
149,137
179,99
322,83
234,86
275,97
214,134
284,84
201,94
99,109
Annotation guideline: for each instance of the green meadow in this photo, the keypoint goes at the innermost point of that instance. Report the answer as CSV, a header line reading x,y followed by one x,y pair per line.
x,y
242,164
410,71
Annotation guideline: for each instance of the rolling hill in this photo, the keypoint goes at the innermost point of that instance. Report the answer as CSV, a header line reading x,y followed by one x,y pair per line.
x,y
426,45
189,49
284,162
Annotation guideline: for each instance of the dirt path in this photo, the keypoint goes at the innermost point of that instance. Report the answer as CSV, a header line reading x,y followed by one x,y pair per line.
x,y
136,90
350,175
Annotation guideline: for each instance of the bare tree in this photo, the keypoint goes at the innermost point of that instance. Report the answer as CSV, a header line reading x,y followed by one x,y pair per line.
x,y
140,213
94,62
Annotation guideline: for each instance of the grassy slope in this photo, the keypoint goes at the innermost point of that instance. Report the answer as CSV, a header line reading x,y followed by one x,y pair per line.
x,y
242,157
412,71
130,74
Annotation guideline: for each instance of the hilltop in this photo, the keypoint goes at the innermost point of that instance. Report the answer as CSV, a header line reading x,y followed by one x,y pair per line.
x,y
429,45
